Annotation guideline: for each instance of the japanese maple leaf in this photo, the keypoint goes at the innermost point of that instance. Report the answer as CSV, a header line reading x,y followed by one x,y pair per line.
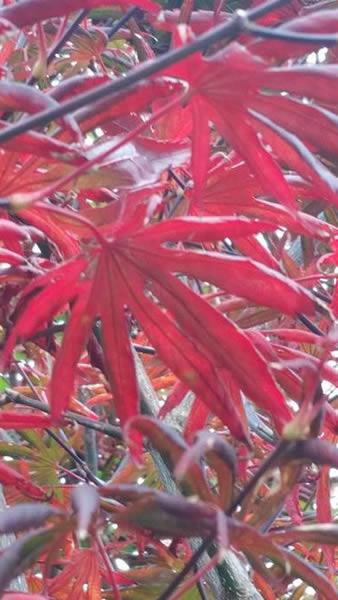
x,y
230,189
136,268
246,99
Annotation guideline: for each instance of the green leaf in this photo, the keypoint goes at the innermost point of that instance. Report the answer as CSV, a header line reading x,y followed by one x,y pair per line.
x,y
4,384
16,451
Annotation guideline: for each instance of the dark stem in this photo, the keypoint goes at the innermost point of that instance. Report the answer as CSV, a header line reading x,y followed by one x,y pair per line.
x,y
179,181
292,36
67,34
309,324
132,12
226,31
111,430
173,585
63,39
89,475
60,327
270,461
200,586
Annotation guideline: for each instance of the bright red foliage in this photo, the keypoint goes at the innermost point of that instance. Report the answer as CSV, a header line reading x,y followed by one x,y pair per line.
x,y
168,255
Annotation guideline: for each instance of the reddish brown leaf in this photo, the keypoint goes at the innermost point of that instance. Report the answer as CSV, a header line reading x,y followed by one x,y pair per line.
x,y
85,501
22,553
25,516
21,420
17,96
28,12
173,447
9,476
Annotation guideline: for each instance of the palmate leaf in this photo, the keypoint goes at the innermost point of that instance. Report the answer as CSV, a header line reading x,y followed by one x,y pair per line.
x,y
29,12
166,515
253,105
81,577
134,269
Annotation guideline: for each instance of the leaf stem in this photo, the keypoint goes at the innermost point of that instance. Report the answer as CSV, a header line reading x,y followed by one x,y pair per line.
x,y
60,327
61,42
109,568
89,475
309,324
132,12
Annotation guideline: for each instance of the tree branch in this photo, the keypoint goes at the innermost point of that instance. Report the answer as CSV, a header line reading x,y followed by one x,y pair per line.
x,y
227,31
15,398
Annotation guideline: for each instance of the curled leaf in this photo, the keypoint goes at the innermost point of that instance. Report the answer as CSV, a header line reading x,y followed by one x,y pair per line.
x,y
85,501
161,513
25,516
317,451
219,454
172,447
322,533
20,555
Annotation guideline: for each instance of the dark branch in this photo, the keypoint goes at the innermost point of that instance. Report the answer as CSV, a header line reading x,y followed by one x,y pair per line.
x,y
226,31
291,36
16,398
89,475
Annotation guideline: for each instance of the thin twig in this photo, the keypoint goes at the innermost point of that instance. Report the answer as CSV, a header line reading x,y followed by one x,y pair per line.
x,y
132,12
286,35
89,475
109,568
226,31
179,181
200,586
60,327
309,324
16,398
61,42
195,579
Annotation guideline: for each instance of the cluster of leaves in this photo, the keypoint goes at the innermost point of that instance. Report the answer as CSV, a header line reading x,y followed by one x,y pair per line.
x,y
169,248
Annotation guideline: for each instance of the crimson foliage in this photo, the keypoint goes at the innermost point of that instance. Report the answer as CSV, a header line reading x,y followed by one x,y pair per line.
x,y
169,292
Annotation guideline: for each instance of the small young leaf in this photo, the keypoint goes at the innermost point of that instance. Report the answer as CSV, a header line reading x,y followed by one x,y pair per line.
x,y
85,501
220,455
172,447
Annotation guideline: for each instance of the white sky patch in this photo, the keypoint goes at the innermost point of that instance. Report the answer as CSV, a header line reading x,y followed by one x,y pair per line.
x,y
317,57
121,564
